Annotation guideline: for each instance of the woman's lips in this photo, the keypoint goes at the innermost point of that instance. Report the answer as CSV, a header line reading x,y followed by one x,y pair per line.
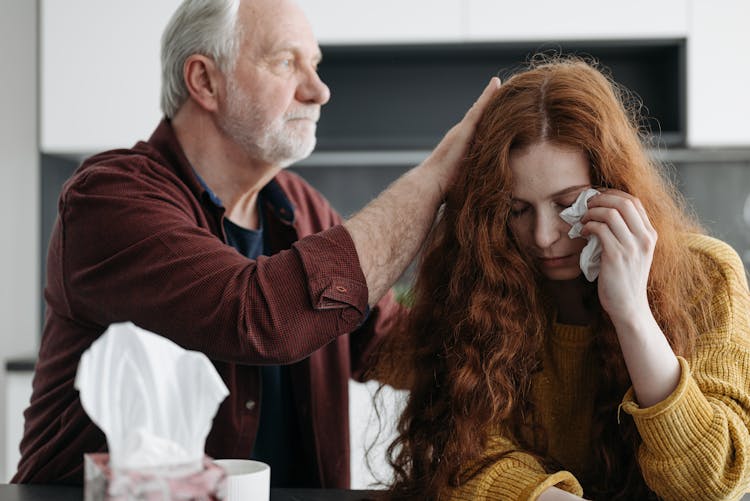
x,y
557,261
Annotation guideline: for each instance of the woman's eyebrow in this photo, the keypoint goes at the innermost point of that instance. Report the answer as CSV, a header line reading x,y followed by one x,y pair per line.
x,y
564,191
569,189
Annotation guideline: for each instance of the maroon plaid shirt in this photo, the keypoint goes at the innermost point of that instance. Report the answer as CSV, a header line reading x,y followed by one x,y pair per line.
x,y
138,239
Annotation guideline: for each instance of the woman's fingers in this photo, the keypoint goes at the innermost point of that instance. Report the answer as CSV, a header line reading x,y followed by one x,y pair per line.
x,y
625,216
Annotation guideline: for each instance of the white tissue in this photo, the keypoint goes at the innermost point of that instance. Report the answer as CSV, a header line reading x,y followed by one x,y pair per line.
x,y
154,400
591,254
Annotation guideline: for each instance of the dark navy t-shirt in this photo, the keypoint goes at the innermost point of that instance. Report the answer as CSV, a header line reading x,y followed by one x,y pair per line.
x,y
278,431
273,443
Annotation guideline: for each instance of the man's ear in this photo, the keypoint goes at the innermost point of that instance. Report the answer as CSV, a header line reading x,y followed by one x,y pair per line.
x,y
204,81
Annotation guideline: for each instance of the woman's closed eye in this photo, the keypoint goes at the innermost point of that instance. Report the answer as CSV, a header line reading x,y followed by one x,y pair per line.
x,y
518,209
563,203
561,206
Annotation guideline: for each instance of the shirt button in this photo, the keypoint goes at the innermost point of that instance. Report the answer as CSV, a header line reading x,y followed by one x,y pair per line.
x,y
250,405
341,288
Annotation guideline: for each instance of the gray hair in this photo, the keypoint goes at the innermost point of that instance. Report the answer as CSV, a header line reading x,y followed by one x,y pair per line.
x,y
207,27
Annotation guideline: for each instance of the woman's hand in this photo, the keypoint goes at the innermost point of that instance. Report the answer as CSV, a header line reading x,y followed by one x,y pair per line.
x,y
628,240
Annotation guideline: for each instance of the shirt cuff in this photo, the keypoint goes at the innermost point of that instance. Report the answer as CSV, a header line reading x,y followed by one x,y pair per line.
x,y
678,423
334,275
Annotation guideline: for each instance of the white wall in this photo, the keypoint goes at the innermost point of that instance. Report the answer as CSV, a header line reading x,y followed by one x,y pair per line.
x,y
19,189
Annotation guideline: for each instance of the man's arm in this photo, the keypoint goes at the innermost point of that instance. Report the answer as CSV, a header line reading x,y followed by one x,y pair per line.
x,y
389,231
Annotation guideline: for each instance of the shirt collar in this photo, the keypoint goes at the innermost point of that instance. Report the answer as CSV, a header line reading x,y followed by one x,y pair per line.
x,y
272,196
211,195
277,202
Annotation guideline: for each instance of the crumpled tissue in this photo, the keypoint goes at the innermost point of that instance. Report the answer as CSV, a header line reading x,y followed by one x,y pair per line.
x,y
591,254
154,400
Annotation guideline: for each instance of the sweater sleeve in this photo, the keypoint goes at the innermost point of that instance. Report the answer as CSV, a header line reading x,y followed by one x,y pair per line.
x,y
696,443
513,476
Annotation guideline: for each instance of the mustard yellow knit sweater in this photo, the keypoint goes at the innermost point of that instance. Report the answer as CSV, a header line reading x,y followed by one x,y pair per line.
x,y
696,443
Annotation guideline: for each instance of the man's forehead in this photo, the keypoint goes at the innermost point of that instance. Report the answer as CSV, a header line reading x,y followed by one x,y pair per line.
x,y
261,14
276,25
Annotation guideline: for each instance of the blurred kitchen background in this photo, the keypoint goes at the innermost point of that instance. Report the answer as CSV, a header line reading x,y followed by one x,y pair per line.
x,y
81,76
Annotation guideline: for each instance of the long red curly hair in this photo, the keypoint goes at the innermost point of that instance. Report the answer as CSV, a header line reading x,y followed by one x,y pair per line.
x,y
472,339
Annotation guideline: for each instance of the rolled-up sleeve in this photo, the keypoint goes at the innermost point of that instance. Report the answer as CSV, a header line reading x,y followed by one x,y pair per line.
x,y
332,271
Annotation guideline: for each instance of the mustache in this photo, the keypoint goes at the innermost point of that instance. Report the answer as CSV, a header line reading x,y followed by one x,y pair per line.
x,y
309,113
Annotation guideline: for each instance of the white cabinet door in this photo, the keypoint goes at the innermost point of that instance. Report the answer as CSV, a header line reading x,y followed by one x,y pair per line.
x,y
100,75
576,19
719,74
100,70
386,21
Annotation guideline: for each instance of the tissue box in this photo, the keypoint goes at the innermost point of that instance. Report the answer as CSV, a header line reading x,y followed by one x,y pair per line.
x,y
101,483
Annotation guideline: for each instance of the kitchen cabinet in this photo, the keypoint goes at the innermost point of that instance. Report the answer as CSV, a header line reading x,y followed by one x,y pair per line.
x,y
100,72
386,21
100,68
718,75
576,19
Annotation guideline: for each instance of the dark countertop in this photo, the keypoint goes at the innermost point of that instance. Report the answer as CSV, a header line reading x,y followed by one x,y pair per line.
x,y
14,492
20,364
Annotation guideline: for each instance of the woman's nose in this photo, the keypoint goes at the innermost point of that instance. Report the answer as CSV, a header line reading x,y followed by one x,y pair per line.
x,y
548,228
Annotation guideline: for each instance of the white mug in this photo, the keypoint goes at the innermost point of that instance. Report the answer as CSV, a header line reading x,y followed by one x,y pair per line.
x,y
246,479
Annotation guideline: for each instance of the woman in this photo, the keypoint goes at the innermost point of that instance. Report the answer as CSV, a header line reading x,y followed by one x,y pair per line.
x,y
527,381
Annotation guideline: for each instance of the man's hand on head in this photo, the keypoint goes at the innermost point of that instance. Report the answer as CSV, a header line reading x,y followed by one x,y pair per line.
x,y
442,164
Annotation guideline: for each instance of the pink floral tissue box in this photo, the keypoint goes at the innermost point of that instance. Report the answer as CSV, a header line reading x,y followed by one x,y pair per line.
x,y
102,484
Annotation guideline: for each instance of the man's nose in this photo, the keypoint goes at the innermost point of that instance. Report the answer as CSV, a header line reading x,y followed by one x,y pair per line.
x,y
312,89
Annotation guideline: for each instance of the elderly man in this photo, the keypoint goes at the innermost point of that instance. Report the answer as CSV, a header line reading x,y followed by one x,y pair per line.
x,y
199,235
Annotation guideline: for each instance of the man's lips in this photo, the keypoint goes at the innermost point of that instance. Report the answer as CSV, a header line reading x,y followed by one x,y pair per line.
x,y
310,119
313,116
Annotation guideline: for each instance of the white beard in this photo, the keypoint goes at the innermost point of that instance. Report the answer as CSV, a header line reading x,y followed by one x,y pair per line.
x,y
281,142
